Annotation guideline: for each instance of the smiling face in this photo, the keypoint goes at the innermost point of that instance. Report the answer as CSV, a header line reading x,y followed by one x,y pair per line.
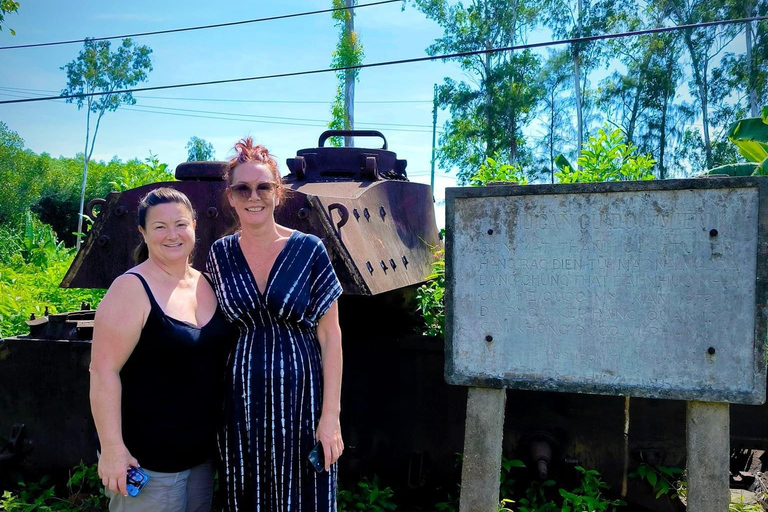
x,y
169,232
254,206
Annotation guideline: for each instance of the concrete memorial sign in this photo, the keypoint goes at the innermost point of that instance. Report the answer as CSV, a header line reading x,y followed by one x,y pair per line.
x,y
655,289
647,289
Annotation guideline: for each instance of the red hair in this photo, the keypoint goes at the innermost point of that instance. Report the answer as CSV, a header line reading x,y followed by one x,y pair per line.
x,y
247,152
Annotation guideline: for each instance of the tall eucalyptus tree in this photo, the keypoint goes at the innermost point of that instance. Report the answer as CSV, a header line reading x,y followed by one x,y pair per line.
x,y
497,100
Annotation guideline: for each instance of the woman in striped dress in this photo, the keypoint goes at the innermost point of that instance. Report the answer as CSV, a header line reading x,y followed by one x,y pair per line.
x,y
284,376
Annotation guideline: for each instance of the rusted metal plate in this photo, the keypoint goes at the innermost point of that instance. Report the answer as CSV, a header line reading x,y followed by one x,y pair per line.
x,y
388,235
654,289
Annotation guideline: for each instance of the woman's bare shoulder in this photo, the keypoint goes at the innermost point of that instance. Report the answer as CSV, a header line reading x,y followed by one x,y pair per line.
x,y
125,289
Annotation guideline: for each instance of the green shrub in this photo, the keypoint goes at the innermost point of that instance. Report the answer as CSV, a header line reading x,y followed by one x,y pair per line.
x,y
494,170
366,496
606,156
84,494
32,265
430,297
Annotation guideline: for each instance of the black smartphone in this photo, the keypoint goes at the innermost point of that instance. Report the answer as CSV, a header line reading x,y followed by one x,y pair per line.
x,y
317,457
135,481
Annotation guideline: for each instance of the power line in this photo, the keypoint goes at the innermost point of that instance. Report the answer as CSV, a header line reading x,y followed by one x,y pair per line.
x,y
201,27
248,118
404,61
237,100
237,114
357,102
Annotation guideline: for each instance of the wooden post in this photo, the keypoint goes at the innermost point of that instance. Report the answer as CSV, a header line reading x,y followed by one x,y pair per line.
x,y
482,450
708,447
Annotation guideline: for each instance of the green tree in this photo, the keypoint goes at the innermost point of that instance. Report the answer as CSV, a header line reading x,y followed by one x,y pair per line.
x,y
7,7
557,133
349,52
704,45
582,18
97,70
745,75
490,109
199,150
640,100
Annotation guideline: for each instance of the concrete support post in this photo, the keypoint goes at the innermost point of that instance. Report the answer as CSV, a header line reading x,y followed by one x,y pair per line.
x,y
708,447
482,450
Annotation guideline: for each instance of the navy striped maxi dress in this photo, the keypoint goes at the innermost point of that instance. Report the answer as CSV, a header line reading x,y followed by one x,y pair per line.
x,y
274,379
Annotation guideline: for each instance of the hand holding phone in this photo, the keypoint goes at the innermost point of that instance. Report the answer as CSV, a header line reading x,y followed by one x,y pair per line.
x,y
136,480
317,457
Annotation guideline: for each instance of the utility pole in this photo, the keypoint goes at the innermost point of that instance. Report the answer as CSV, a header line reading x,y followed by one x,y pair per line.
x,y
434,132
349,78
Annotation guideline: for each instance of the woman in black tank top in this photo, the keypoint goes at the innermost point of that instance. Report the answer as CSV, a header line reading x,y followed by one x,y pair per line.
x,y
158,355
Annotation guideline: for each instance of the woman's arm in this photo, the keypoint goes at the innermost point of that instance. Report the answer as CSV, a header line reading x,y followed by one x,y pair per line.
x,y
116,330
329,428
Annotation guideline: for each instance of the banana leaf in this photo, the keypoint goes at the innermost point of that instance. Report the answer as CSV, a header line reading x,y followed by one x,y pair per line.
x,y
744,169
751,137
762,169
561,162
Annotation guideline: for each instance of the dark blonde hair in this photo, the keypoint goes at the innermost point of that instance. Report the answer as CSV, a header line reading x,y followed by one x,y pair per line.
x,y
162,195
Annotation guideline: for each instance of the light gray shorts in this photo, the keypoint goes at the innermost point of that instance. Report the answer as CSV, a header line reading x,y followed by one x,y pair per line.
x,y
186,491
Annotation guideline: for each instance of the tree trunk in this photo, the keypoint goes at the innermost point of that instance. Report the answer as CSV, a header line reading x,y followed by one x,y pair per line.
x,y
700,79
349,81
85,177
489,145
753,110
577,83
552,136
663,136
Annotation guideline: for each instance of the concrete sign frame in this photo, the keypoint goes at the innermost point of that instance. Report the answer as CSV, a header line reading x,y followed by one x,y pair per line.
x,y
746,240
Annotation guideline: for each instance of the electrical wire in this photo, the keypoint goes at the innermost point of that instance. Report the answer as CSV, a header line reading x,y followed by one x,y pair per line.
x,y
238,100
200,27
237,114
403,61
286,121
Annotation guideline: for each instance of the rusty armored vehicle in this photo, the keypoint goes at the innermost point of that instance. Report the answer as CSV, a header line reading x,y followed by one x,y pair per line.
x,y
400,419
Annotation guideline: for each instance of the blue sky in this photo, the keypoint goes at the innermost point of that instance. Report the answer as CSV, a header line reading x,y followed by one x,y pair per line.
x,y
294,110
387,33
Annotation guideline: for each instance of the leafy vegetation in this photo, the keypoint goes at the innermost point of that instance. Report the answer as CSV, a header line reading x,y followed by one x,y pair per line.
x,y
664,481
367,496
6,7
494,170
750,136
606,156
151,171
588,496
32,264
348,52
84,493
199,150
50,187
430,296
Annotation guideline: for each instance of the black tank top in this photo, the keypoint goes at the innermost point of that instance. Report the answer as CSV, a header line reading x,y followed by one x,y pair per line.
x,y
172,389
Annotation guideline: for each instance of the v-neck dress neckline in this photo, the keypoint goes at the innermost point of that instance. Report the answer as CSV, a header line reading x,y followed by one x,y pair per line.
x,y
270,276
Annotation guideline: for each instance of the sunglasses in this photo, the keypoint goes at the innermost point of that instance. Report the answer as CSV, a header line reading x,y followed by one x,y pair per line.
x,y
264,190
